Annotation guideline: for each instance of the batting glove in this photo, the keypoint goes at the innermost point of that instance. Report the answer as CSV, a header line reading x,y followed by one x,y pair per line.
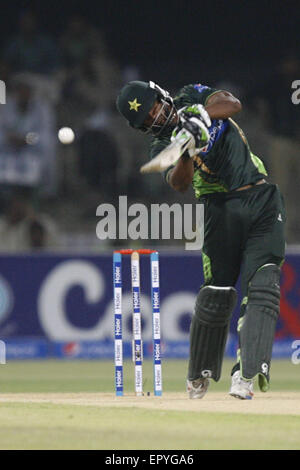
x,y
194,122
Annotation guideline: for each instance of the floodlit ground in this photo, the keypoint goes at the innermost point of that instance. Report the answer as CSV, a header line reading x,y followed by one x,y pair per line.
x,y
71,405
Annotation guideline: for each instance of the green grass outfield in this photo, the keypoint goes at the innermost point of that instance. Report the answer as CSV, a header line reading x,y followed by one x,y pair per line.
x,y
71,405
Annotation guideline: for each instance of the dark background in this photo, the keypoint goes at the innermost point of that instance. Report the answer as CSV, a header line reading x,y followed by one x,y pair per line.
x,y
250,48
163,36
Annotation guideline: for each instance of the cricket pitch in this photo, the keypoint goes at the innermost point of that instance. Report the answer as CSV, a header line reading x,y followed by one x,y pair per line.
x,y
271,403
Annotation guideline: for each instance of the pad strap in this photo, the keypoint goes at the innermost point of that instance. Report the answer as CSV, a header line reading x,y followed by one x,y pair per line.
x,y
209,330
258,324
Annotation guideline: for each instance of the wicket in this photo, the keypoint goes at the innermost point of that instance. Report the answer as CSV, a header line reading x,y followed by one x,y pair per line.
x,y
137,343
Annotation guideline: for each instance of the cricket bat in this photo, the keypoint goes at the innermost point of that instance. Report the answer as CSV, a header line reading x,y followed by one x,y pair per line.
x,y
169,156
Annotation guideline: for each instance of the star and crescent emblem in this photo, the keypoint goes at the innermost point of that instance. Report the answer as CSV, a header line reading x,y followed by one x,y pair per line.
x,y
134,105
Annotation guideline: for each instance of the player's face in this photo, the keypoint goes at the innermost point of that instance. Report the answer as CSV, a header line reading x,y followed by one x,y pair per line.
x,y
162,113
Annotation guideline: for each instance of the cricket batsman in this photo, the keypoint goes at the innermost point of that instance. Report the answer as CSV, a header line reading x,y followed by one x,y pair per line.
x,y
243,226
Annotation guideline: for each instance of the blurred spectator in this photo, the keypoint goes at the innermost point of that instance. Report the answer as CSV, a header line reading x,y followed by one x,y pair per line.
x,y
98,159
30,50
88,88
285,170
276,125
23,229
90,77
27,139
90,81
96,81
79,40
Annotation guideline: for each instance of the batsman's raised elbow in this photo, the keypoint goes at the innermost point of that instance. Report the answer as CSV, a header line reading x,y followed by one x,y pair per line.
x,y
237,106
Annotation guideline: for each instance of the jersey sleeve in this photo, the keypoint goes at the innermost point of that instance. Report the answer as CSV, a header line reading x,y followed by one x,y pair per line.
x,y
195,94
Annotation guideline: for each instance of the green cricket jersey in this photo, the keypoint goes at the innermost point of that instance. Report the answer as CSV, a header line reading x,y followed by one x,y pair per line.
x,y
227,162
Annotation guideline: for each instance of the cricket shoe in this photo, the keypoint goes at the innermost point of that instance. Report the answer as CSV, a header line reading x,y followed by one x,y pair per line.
x,y
241,388
197,388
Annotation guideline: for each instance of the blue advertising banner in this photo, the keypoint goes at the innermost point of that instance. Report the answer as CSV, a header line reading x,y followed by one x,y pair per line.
x,y
62,305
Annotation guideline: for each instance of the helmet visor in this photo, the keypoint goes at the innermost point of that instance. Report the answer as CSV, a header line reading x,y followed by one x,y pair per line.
x,y
162,115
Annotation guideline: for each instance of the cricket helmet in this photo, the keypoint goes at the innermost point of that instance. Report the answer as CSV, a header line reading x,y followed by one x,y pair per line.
x,y
136,100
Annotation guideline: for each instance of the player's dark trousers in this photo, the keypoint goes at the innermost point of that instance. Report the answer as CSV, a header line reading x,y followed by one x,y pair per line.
x,y
244,230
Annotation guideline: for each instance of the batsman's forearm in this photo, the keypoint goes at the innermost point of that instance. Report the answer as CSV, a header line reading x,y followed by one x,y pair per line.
x,y
223,109
182,175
